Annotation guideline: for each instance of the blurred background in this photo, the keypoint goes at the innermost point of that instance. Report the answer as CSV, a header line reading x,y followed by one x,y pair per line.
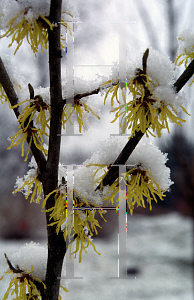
x,y
159,242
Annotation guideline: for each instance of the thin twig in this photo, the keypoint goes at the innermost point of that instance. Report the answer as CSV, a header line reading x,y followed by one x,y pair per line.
x,y
185,76
8,87
15,270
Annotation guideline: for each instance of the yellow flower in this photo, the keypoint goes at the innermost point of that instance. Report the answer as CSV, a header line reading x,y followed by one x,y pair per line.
x,y
33,134
66,114
78,223
36,191
138,185
187,56
143,111
23,285
35,32
80,107
36,105
3,96
67,27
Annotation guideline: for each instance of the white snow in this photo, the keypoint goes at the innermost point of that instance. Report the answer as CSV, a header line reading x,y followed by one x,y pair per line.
x,y
32,9
186,42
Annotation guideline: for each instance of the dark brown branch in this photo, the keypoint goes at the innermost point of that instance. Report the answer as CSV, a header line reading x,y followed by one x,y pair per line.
x,y
13,99
14,270
113,173
55,89
80,96
56,243
8,87
185,76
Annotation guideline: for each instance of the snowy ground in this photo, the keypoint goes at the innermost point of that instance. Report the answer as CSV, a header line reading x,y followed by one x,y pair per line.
x,y
159,248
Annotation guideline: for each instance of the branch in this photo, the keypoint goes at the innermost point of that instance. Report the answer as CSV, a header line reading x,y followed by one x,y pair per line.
x,y
181,81
56,242
113,173
55,90
13,99
80,96
185,76
14,270
8,87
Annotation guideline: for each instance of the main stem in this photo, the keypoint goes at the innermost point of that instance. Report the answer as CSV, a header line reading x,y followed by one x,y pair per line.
x,y
56,243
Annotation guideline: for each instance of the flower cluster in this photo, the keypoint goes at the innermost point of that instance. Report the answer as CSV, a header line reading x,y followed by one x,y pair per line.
x,y
37,110
73,212
30,134
186,48
146,177
76,100
35,31
75,216
83,110
30,184
27,275
30,21
152,98
23,285
139,186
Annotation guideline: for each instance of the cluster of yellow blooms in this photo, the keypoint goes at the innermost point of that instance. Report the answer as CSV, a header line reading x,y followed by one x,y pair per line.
x,y
143,111
77,221
80,107
27,130
35,184
34,30
23,285
137,184
187,56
